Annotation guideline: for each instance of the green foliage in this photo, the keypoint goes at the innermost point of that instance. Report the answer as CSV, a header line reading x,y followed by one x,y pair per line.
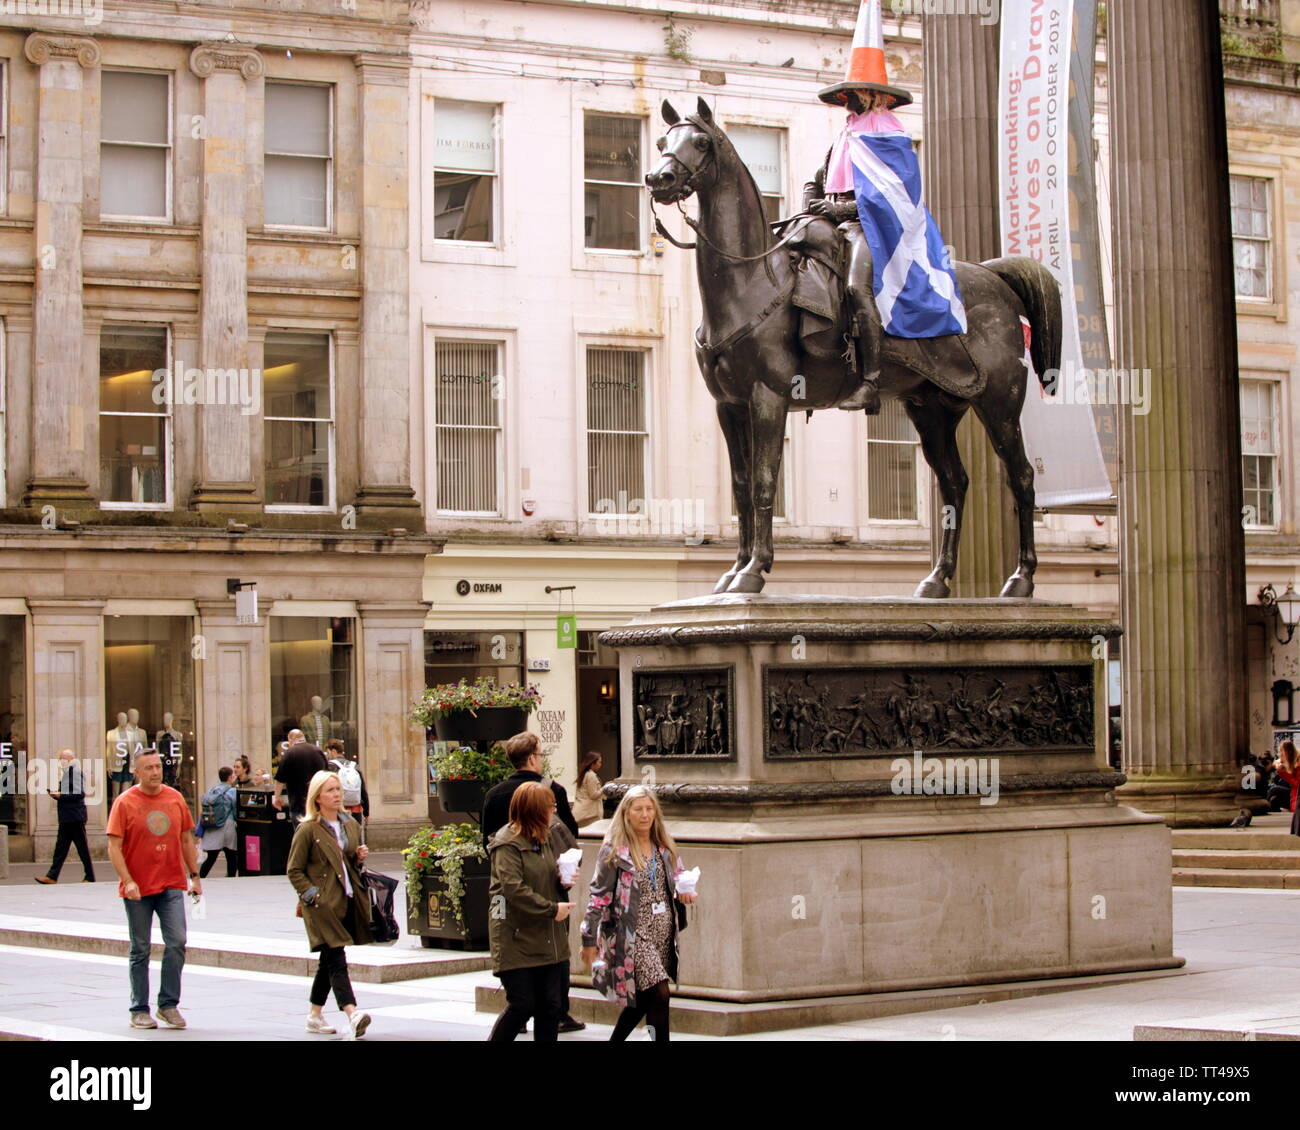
x,y
441,853
465,763
677,41
448,698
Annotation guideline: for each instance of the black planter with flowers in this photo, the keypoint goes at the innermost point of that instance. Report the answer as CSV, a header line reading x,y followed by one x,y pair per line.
x,y
447,878
462,795
487,724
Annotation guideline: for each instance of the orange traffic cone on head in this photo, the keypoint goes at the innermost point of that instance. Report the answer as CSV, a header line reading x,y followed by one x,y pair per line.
x,y
867,70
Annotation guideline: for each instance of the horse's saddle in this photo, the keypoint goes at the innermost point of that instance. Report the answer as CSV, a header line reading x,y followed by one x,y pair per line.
x,y
818,255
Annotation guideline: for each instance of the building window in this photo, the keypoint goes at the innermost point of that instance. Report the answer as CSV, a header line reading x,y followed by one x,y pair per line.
x,y
299,151
4,138
465,171
1259,453
13,719
613,189
134,429
452,656
891,465
616,431
135,146
761,148
1252,235
467,418
313,681
299,397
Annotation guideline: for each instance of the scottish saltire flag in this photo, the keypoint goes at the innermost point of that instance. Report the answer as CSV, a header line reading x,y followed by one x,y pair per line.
x,y
916,288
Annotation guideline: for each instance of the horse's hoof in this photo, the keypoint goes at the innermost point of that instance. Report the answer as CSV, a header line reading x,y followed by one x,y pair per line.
x,y
930,589
1018,587
747,582
724,582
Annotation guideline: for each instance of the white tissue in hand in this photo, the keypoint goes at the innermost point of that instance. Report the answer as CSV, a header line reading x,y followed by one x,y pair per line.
x,y
573,856
686,881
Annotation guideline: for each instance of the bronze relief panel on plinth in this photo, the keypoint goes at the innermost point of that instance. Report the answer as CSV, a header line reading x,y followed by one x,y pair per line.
x,y
684,713
829,712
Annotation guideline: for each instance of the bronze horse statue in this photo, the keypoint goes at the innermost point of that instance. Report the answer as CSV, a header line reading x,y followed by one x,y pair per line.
x,y
758,367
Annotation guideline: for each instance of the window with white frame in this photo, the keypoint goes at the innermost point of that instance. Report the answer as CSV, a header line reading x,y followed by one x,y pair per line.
x,y
298,391
1252,236
134,428
135,145
617,438
1259,447
612,186
891,465
465,171
467,426
299,155
762,149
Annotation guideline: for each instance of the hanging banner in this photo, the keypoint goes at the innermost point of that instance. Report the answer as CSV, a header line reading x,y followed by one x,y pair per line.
x,y
1045,167
566,630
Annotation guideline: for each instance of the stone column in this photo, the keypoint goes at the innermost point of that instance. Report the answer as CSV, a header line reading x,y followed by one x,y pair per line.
x,y
67,708
60,463
234,690
392,746
225,480
385,493
960,150
1182,578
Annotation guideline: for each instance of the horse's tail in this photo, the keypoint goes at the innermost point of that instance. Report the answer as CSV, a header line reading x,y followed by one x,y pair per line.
x,y
1036,287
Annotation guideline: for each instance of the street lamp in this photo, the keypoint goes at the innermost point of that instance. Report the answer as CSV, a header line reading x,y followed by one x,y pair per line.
x,y
1286,609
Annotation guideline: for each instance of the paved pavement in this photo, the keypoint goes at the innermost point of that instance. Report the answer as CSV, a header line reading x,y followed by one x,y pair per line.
x,y
1242,949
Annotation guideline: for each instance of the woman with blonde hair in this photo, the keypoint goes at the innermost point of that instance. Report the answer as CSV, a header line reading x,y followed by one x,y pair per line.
x,y
325,869
629,935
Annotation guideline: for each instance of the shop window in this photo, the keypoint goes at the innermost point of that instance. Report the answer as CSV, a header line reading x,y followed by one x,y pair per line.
x,y
617,439
299,152
134,430
612,182
313,680
149,700
452,656
465,173
13,723
467,407
135,146
762,150
299,414
891,465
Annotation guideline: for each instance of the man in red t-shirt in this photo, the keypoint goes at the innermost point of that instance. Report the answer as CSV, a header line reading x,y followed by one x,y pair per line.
x,y
151,845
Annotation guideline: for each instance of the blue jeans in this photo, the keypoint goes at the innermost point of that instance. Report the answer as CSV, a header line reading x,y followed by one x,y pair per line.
x,y
170,907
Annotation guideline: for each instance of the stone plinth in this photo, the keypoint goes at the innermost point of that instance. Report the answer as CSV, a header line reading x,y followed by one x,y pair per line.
x,y
781,734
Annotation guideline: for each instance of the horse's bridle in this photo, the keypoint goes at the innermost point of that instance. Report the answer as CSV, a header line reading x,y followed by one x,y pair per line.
x,y
689,182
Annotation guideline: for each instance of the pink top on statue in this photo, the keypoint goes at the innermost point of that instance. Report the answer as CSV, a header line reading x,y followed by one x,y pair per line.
x,y
839,173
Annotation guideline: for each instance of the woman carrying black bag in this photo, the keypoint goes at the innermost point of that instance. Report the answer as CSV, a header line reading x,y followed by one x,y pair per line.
x,y
334,902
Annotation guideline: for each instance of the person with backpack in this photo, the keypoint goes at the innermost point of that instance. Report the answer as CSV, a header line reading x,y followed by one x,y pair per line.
x,y
355,798
217,815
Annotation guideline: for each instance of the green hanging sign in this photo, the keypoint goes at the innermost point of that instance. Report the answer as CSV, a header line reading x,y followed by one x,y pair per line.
x,y
566,631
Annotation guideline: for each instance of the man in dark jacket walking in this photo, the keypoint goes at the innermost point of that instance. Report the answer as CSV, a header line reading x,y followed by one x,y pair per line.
x,y
299,763
525,753
71,799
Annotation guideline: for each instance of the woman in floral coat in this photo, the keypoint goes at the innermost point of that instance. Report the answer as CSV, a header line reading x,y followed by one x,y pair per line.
x,y
629,936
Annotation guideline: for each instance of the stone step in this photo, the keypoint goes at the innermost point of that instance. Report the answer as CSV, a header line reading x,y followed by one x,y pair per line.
x,y
1254,860
1236,877
1233,839
1273,1030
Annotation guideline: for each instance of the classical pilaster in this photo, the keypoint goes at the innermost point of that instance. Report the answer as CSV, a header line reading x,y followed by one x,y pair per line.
x,y
226,481
60,466
235,707
1182,583
392,746
385,441
961,188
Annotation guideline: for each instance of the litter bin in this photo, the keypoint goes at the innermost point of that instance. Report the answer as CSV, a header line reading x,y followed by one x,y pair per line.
x,y
263,833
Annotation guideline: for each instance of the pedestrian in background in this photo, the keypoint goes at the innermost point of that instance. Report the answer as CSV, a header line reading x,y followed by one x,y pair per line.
x,y
588,806
629,934
525,754
1288,770
217,815
529,943
244,778
70,798
325,869
298,767
356,800
151,845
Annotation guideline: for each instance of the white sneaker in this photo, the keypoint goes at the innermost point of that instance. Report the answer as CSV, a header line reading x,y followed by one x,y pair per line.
x,y
360,1021
317,1027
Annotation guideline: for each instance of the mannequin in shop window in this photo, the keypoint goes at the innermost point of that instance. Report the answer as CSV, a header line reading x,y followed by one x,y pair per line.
x,y
171,746
118,754
316,724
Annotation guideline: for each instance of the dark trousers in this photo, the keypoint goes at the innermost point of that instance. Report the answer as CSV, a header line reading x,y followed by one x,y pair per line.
x,y
70,835
211,858
332,973
538,991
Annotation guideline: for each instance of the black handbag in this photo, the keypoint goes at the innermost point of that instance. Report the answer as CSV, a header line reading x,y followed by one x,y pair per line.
x,y
383,922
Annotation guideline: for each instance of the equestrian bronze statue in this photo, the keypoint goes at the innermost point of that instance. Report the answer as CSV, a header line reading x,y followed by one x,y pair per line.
x,y
777,336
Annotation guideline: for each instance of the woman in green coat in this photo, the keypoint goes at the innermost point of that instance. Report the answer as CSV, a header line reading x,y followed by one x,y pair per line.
x,y
530,947
325,869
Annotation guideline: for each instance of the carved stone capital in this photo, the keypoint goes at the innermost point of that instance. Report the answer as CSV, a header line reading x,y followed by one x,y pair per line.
x,y
208,58
41,48
383,70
